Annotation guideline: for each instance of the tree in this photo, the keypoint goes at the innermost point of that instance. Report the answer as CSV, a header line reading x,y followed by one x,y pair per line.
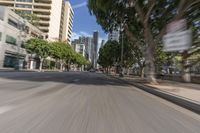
x,y
39,47
109,54
133,54
147,19
79,60
62,52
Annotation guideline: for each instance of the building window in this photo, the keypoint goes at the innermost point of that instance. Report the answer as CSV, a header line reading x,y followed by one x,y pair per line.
x,y
12,23
0,36
1,14
25,0
11,40
23,6
10,61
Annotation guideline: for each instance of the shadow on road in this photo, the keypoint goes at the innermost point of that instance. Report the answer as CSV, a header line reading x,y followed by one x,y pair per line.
x,y
78,78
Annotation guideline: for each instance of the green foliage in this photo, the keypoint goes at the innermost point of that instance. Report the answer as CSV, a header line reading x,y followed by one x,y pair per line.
x,y
61,51
32,18
145,21
79,59
39,47
109,54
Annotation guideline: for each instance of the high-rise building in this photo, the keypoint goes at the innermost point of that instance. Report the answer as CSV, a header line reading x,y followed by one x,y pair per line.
x,y
114,35
95,49
87,41
66,25
53,18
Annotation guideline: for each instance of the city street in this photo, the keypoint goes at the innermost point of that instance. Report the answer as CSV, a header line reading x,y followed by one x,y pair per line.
x,y
83,102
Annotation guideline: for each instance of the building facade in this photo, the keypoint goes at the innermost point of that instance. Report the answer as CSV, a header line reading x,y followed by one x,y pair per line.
x,y
14,31
66,25
88,42
52,15
80,48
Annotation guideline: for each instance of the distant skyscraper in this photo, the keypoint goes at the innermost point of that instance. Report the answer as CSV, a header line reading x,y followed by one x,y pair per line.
x,y
88,45
91,47
88,42
114,35
95,48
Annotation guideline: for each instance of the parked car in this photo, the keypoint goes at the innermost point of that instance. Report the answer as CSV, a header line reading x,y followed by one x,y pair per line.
x,y
92,70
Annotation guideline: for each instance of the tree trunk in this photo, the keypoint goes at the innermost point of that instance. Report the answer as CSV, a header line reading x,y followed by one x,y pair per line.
x,y
186,75
185,68
41,63
61,66
150,55
142,72
107,70
128,71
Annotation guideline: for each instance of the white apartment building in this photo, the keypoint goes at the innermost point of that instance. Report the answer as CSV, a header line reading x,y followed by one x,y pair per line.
x,y
14,31
53,18
88,42
80,48
66,25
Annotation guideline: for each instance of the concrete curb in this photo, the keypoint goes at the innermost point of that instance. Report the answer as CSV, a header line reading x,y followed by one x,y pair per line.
x,y
181,101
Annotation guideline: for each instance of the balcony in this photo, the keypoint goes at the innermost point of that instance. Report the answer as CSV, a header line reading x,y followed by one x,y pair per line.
x,y
42,5
46,17
7,3
43,1
44,28
41,10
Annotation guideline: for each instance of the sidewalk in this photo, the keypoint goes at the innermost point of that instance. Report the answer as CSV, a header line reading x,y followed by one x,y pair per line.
x,y
183,94
187,90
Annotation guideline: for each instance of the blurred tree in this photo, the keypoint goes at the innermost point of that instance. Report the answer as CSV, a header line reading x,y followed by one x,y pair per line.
x,y
61,52
39,47
148,19
109,54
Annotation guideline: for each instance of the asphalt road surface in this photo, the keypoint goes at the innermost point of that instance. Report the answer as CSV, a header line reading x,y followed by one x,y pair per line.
x,y
76,102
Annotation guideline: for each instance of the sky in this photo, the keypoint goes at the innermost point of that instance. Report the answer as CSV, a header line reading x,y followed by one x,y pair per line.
x,y
84,23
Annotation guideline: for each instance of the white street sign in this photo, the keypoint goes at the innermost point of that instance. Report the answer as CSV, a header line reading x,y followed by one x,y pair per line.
x,y
177,41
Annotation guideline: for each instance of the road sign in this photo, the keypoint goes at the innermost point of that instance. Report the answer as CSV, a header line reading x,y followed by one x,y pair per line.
x,y
176,26
177,41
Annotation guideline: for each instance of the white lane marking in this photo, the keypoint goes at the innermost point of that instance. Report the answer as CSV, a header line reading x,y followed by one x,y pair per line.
x,y
76,80
5,109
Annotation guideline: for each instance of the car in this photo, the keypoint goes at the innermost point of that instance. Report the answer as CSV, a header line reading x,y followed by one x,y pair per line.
x,y
92,70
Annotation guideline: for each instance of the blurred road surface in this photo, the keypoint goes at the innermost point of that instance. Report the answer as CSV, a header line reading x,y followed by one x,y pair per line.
x,y
84,102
